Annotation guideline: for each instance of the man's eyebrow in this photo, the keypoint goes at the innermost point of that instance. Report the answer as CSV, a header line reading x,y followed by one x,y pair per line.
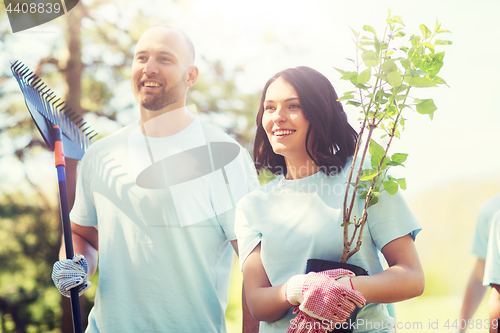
x,y
161,52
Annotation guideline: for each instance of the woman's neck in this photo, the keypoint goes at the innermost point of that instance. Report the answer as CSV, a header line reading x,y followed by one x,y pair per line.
x,y
300,167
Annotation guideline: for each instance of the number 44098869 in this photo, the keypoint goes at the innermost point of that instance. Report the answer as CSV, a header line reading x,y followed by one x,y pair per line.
x,y
472,324
32,8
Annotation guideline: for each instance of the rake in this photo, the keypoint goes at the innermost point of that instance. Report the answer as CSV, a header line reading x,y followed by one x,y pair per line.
x,y
65,134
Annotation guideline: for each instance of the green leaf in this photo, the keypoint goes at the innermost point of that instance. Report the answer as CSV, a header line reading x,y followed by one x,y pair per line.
x,y
390,112
437,26
373,201
363,194
370,58
368,174
402,183
389,66
425,31
439,80
377,153
354,103
394,79
347,95
428,45
442,42
440,31
354,32
391,187
426,106
402,123
369,28
415,72
395,19
415,40
377,44
364,76
399,157
419,82
399,34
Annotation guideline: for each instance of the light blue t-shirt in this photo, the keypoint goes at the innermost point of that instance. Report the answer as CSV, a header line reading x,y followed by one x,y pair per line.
x,y
164,253
297,220
483,226
492,265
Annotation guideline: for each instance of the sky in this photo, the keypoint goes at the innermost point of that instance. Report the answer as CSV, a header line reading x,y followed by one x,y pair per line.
x,y
266,36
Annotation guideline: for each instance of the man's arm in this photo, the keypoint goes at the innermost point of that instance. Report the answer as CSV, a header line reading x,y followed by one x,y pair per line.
x,y
474,293
494,307
85,242
250,325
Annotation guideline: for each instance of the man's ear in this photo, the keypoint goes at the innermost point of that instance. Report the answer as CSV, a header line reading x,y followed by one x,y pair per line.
x,y
192,76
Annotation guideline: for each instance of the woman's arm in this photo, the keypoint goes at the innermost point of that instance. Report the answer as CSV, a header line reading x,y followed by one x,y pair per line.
x,y
403,279
266,303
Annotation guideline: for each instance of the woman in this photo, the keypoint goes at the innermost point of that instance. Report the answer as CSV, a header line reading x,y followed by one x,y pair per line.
x,y
303,137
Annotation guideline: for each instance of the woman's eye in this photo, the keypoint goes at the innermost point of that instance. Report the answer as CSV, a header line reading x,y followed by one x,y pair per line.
x,y
269,107
295,106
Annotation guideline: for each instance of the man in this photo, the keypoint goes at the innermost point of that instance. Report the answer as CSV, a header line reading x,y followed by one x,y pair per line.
x,y
157,200
475,290
492,273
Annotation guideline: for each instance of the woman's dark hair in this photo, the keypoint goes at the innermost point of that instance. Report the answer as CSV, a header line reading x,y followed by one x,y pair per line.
x,y
333,140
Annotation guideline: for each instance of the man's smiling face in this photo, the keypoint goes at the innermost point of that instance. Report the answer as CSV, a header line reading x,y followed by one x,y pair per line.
x,y
159,70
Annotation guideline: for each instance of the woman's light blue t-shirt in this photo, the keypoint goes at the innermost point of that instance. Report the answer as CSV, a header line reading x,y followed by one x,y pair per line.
x,y
297,220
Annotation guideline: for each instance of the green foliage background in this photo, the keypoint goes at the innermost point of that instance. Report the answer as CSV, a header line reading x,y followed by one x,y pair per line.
x,y
29,216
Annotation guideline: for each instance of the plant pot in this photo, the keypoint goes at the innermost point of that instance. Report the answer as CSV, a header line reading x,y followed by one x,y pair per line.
x,y
318,265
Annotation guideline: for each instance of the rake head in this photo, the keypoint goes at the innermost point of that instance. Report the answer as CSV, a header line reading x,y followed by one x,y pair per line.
x,y
48,111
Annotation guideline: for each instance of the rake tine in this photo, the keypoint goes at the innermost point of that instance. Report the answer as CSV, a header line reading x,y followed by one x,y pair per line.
x,y
23,73
32,75
36,83
44,101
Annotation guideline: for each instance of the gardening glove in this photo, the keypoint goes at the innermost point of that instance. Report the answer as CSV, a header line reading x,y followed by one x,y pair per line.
x,y
321,296
303,323
70,273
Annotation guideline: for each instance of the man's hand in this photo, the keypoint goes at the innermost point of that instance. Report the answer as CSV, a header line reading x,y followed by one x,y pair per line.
x,y
68,274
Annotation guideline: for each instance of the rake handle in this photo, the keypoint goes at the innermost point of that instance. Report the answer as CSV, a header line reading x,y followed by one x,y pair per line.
x,y
66,224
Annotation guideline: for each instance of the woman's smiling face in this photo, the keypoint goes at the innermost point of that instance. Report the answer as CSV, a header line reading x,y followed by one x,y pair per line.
x,y
283,120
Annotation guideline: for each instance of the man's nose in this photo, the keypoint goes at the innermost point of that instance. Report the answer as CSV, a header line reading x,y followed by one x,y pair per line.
x,y
150,68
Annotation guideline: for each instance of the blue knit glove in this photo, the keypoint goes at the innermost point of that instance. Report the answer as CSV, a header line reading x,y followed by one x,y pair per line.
x,y
68,274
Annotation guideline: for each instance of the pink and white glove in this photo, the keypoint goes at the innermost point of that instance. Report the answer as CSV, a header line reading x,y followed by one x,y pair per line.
x,y
324,295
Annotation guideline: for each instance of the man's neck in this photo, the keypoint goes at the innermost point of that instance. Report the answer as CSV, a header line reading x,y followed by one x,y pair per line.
x,y
165,123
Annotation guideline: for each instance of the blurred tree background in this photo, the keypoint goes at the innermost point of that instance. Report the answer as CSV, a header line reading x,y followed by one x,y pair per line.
x,y
85,57
89,68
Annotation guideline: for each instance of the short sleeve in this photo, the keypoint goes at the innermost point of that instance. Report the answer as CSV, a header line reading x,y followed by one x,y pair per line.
x,y
390,219
483,225
248,237
242,179
84,211
492,266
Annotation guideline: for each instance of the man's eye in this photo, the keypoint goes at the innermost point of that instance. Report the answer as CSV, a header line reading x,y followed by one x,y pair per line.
x,y
164,59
